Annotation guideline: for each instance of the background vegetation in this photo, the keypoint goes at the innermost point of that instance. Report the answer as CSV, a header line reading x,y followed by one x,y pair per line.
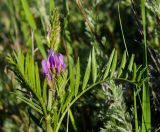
x,y
77,27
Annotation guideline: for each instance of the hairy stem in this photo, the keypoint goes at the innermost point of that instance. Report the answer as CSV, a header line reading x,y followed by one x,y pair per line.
x,y
48,124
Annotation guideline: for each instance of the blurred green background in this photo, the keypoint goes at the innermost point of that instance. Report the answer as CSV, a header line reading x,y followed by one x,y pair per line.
x,y
25,21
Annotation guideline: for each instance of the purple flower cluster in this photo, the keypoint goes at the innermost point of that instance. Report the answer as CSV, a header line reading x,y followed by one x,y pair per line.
x,y
53,64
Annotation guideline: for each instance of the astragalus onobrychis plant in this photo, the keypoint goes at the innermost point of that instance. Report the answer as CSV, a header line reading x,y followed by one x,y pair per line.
x,y
52,96
52,85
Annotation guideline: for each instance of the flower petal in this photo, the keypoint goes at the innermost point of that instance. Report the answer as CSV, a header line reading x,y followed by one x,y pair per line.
x,y
60,57
49,76
45,68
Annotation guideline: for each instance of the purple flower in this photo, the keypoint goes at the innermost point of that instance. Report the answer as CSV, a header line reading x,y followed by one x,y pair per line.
x,y
45,68
54,64
61,64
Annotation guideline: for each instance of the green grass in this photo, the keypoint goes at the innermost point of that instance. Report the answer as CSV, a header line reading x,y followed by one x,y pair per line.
x,y
146,112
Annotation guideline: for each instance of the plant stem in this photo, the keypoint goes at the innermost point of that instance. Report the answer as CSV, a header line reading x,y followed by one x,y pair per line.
x,y
48,124
120,22
135,111
67,121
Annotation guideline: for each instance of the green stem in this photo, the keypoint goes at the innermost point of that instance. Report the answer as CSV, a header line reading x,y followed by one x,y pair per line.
x,y
48,124
67,121
122,30
135,111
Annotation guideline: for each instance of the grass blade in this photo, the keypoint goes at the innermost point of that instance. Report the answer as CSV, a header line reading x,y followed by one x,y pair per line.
x,y
28,14
33,25
135,111
146,121
40,44
122,30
